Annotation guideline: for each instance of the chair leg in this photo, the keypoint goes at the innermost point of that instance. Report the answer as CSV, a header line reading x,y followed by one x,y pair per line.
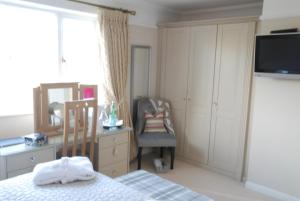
x,y
139,156
172,157
161,152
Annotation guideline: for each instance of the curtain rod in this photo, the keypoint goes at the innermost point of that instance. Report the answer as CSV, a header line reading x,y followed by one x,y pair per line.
x,y
131,12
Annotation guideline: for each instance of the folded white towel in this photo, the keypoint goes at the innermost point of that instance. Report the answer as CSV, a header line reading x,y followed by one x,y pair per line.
x,y
64,170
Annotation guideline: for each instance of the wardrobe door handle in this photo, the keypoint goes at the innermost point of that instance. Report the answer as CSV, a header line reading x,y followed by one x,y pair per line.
x,y
115,151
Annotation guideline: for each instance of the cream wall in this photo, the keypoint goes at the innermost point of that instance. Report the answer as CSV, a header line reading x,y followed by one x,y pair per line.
x,y
274,130
280,9
16,126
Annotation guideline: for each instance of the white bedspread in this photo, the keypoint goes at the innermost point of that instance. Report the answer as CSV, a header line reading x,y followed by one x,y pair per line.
x,y
102,188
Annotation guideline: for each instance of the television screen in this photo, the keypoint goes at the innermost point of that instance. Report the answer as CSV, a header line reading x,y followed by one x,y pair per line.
x,y
279,54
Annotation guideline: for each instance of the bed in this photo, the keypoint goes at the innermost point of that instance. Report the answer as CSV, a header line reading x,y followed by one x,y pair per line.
x,y
103,188
136,186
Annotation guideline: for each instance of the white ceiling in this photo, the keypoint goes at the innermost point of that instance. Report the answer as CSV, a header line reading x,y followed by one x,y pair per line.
x,y
190,5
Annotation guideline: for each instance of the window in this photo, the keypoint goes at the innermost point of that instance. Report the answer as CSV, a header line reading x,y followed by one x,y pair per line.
x,y
42,46
80,50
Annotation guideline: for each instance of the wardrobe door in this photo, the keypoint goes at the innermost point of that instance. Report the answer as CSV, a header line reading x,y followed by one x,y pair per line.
x,y
200,91
174,77
230,99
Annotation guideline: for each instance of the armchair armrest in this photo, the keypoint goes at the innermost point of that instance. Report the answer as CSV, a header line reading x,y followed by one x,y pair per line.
x,y
139,126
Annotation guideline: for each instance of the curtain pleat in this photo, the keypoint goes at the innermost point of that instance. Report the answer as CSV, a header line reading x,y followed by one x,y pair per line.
x,y
114,53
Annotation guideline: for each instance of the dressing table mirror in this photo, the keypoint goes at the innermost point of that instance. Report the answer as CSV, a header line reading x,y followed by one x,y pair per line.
x,y
56,99
49,101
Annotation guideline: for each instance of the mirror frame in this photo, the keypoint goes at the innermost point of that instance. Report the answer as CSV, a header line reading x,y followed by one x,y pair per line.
x,y
41,104
148,47
46,127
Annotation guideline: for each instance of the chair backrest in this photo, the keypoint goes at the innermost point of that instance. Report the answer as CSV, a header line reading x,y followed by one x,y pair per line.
x,y
83,115
153,105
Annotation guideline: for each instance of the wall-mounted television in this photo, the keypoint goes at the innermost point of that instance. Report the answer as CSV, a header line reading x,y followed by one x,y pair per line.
x,y
278,55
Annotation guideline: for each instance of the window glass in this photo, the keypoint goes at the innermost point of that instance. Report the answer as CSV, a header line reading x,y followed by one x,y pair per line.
x,y
80,51
28,56
40,46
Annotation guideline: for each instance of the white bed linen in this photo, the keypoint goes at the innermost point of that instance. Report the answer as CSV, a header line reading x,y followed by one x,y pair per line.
x,y
102,188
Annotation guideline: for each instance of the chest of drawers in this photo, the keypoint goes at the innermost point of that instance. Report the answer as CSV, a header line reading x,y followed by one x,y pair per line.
x,y
21,159
113,155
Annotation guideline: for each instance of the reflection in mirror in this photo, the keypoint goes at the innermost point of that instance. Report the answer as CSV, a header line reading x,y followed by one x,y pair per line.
x,y
56,99
140,62
88,93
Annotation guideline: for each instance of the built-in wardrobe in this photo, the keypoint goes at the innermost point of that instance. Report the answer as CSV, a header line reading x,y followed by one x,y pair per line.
x,y
206,73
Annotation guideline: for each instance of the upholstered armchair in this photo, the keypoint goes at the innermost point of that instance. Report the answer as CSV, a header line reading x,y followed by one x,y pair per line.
x,y
162,140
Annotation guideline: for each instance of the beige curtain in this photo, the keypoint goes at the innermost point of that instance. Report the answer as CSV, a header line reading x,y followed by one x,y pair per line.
x,y
114,50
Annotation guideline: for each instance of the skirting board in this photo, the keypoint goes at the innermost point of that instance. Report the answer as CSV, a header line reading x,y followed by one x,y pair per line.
x,y
270,192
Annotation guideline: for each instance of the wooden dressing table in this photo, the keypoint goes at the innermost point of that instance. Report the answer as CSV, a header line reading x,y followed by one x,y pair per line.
x,y
113,145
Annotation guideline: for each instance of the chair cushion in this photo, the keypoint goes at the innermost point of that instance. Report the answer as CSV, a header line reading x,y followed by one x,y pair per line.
x,y
156,140
154,123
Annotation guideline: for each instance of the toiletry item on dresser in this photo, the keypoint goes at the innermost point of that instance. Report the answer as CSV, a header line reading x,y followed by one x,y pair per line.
x,y
35,139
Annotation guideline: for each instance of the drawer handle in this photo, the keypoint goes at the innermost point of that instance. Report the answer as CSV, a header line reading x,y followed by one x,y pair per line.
x,y
115,151
32,158
114,140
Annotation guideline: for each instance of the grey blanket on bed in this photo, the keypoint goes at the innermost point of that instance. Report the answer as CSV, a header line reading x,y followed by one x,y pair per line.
x,y
158,188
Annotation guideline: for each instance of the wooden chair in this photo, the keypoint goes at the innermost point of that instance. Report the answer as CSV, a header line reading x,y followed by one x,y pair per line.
x,y
80,110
